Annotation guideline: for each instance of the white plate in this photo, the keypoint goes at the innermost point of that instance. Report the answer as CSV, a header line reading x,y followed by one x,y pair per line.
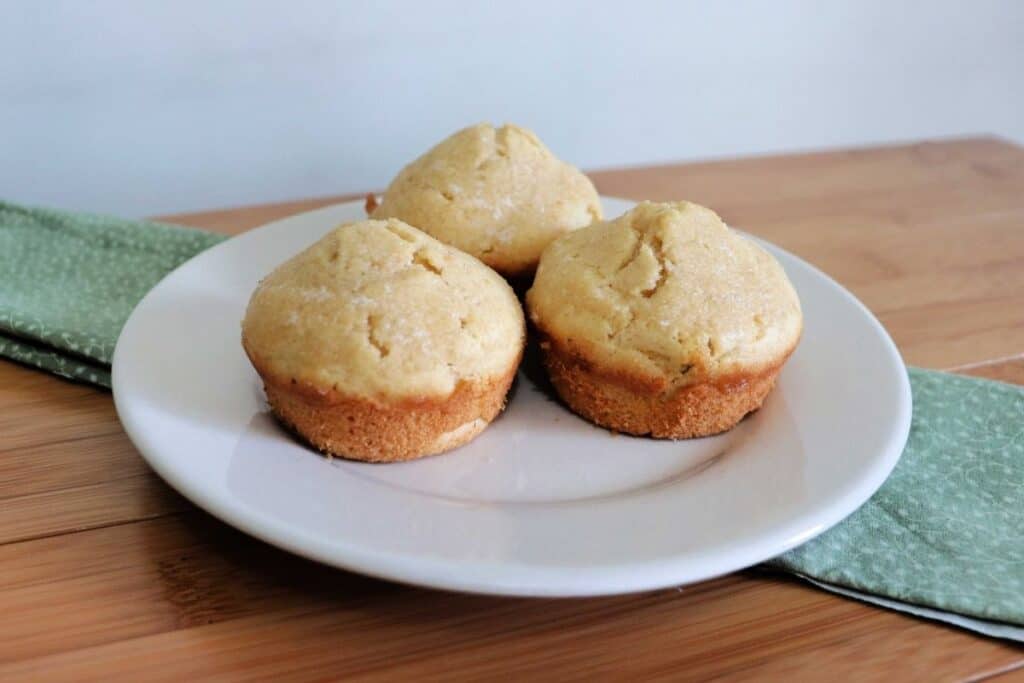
x,y
542,503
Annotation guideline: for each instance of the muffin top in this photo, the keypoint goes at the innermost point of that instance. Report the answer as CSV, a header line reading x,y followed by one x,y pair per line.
x,y
377,309
498,194
666,294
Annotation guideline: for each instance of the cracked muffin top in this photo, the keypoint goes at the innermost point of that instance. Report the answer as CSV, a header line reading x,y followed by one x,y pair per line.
x,y
378,309
496,193
666,294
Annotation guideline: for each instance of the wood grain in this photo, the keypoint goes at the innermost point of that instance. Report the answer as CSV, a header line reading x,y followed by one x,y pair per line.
x,y
106,572
202,582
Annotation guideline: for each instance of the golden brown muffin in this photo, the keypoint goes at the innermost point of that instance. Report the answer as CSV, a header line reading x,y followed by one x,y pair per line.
x,y
380,343
498,194
663,321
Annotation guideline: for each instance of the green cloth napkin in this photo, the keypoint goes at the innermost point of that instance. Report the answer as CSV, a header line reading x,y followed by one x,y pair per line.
x,y
943,538
68,282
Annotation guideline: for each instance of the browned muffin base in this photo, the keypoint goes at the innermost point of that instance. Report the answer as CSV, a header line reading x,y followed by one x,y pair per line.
x,y
359,429
695,410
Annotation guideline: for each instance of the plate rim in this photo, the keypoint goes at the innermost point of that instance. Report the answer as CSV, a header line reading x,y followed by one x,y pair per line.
x,y
530,580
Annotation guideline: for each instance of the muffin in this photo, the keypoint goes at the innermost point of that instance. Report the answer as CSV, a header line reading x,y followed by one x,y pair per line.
x,y
498,194
663,322
380,343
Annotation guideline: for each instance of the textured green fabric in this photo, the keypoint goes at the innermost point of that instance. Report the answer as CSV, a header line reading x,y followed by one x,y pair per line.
x,y
943,538
946,530
68,282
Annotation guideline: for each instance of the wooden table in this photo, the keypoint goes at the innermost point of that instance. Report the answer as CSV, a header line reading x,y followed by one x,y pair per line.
x,y
104,570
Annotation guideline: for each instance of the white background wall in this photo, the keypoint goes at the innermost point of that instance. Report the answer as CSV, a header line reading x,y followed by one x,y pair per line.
x,y
148,107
